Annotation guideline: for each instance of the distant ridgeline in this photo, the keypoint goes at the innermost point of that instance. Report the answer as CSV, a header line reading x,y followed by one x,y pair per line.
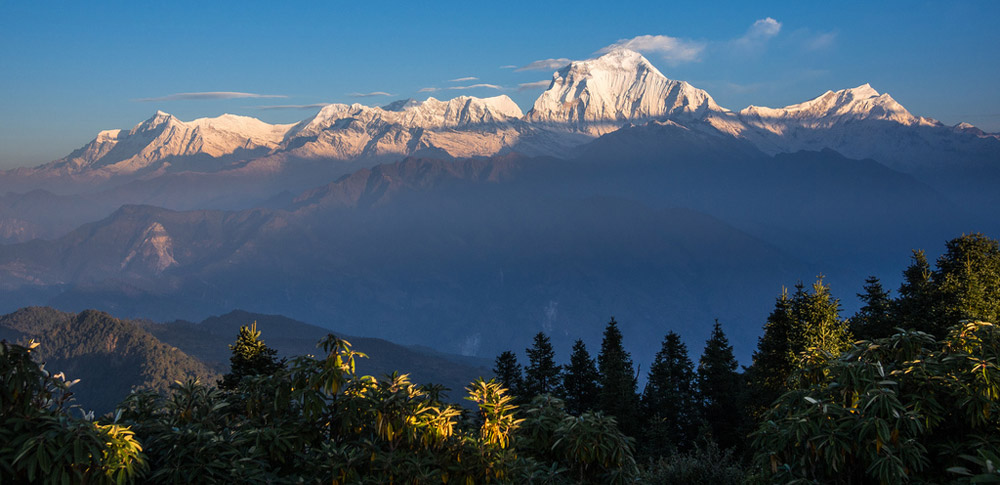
x,y
112,356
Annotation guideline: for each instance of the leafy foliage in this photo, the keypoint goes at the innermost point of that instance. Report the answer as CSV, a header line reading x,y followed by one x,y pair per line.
x,y
317,420
584,449
705,464
41,443
890,410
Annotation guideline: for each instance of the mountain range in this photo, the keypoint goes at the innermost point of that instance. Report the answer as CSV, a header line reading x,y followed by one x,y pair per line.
x,y
466,225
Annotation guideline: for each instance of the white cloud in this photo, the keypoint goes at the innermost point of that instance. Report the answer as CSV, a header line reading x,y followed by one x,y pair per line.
x,y
508,66
293,106
765,27
758,34
210,95
474,86
671,49
533,85
463,79
545,65
369,95
428,90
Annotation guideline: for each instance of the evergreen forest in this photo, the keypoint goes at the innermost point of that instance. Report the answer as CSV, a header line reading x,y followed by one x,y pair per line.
x,y
907,390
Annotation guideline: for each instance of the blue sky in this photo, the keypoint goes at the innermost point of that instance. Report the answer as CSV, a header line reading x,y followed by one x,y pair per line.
x,y
68,70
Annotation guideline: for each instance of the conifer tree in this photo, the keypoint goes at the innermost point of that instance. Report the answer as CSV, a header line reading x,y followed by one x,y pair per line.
x,y
807,325
965,285
669,401
581,381
251,357
772,361
618,396
915,307
967,277
508,372
817,321
541,375
874,319
720,390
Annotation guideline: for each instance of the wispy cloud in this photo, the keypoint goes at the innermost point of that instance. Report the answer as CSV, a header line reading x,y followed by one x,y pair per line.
x,y
370,95
209,95
463,79
508,66
820,41
428,90
293,106
758,34
545,65
474,86
672,49
533,85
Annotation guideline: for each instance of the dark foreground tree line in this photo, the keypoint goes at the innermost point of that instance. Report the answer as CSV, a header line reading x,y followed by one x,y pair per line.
x,y
906,390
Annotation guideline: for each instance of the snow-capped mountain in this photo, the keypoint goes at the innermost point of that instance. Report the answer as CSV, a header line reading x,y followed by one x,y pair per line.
x,y
832,108
461,127
585,100
152,144
598,96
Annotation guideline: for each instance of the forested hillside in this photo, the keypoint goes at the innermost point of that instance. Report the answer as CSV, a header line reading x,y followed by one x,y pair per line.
x,y
108,355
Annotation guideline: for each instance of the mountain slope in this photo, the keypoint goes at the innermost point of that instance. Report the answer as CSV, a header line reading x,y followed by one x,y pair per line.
x,y
108,355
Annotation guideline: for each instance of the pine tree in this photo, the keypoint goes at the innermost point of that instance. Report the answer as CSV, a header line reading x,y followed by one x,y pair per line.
x,y
807,325
541,375
581,381
915,307
874,319
669,401
720,390
967,277
618,396
772,361
251,357
508,372
817,321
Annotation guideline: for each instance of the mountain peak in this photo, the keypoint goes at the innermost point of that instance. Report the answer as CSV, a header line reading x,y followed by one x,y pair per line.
x,y
620,59
863,91
157,120
621,86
